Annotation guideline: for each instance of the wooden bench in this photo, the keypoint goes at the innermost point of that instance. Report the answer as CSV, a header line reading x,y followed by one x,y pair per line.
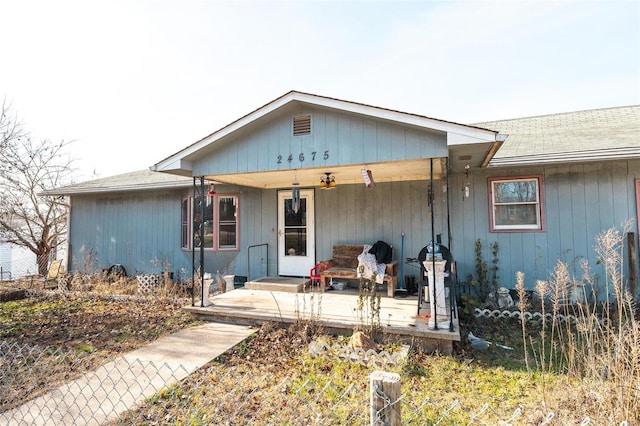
x,y
344,264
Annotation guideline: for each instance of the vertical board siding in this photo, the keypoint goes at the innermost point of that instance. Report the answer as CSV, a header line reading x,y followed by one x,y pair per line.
x,y
348,138
580,202
354,214
370,132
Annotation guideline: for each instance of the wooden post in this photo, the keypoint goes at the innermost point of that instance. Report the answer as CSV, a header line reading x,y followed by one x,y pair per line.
x,y
633,264
385,395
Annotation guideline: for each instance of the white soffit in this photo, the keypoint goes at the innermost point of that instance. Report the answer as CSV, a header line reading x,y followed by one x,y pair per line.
x,y
351,174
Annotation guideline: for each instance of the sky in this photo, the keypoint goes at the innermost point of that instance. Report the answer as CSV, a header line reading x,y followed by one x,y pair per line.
x,y
132,82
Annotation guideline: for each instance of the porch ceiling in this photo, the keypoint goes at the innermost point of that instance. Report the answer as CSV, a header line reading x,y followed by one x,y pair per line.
x,y
351,174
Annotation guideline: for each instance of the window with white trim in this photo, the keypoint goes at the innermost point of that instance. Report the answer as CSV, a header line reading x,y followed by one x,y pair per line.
x,y
516,204
219,223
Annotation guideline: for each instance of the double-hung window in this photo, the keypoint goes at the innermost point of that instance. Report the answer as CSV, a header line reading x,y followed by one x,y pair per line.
x,y
516,204
227,223
215,229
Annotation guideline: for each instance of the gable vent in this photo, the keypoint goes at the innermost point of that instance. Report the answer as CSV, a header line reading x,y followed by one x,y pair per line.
x,y
302,125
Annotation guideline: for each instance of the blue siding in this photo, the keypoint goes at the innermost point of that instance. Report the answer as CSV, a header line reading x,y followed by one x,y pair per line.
x,y
580,201
131,229
136,229
347,138
355,214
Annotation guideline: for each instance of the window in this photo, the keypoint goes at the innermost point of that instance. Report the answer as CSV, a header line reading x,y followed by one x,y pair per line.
x,y
227,222
516,204
219,222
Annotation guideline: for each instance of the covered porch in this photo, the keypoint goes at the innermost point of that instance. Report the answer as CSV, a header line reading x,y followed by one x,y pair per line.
x,y
311,172
336,312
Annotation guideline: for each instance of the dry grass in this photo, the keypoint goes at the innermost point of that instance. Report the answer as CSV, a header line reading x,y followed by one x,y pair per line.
x,y
589,368
598,352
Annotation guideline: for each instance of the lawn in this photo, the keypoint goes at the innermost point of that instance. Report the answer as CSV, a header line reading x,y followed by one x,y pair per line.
x,y
110,325
271,378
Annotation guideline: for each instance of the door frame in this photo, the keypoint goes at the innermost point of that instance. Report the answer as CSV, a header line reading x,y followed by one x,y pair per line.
x,y
296,265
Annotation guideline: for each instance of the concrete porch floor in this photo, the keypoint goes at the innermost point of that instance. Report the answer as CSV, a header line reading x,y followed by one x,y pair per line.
x,y
336,311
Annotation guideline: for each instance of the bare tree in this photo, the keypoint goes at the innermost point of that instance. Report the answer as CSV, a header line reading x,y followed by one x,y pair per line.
x,y
10,127
28,217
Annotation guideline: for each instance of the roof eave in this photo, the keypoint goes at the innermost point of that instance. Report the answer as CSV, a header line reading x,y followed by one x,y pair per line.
x,y
532,160
111,189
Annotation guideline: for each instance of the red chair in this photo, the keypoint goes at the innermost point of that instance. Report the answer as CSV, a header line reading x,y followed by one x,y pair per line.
x,y
314,273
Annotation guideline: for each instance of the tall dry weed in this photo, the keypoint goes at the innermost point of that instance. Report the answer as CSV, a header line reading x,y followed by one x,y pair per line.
x,y
592,334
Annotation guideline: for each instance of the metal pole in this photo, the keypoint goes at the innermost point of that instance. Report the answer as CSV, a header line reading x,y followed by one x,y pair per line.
x,y
449,237
193,245
433,255
201,241
452,282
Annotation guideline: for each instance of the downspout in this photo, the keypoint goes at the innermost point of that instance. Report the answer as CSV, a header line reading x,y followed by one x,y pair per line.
x,y
68,242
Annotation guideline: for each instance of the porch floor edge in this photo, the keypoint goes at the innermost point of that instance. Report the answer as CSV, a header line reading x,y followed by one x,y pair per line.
x,y
333,311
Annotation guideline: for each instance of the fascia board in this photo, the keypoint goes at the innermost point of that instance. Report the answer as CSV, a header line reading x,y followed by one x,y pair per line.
x,y
119,188
482,135
573,157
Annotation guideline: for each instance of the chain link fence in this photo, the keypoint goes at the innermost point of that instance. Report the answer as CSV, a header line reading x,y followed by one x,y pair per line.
x,y
46,386
16,262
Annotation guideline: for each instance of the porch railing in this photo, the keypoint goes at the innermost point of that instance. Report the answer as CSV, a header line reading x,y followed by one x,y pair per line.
x,y
249,258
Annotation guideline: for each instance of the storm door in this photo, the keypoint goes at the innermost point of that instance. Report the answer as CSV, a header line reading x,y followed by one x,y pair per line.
x,y
296,233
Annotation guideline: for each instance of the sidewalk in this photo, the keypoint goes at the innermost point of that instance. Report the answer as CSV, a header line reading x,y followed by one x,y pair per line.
x,y
119,385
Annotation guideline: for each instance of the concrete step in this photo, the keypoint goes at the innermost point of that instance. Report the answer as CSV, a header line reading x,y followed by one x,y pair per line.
x,y
286,284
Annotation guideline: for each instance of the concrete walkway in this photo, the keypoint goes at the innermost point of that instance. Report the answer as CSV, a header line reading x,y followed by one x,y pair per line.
x,y
117,386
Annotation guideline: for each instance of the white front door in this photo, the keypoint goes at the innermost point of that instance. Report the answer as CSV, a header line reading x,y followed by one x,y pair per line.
x,y
296,234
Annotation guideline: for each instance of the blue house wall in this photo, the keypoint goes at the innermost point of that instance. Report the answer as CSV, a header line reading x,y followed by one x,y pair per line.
x,y
141,230
344,138
580,202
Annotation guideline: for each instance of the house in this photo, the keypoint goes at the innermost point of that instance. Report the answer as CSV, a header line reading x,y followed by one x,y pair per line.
x,y
585,169
16,262
272,192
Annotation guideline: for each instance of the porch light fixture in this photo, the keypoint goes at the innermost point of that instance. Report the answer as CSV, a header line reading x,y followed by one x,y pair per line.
x,y
367,176
466,187
328,181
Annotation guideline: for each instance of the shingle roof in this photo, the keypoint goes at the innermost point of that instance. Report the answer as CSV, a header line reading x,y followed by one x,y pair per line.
x,y
598,134
142,180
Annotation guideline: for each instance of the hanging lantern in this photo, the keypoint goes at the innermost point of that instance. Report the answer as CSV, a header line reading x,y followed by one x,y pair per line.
x,y
295,199
466,187
295,194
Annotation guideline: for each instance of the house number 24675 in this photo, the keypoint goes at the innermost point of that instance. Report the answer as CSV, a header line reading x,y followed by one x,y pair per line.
x,y
301,157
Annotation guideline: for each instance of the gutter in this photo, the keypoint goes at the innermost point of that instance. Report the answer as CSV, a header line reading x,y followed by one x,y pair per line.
x,y
567,157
